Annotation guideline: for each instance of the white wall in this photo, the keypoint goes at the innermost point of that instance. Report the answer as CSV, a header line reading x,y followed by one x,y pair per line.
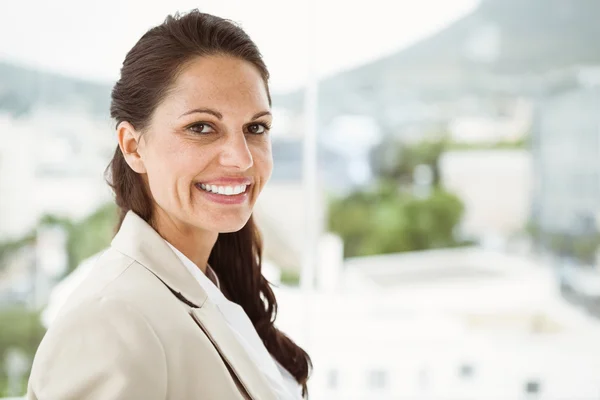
x,y
495,186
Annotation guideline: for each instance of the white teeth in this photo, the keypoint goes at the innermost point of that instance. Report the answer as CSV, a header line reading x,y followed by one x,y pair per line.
x,y
224,190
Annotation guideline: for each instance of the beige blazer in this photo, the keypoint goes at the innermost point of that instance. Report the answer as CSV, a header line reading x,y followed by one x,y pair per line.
x,y
141,328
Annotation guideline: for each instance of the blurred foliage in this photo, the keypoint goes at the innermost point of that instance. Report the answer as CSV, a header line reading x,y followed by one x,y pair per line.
x,y
522,143
88,236
291,278
21,329
389,220
582,248
7,248
396,161
84,238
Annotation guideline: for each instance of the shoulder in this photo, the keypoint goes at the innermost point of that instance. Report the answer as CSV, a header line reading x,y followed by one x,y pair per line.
x,y
114,276
104,320
120,294
119,302
102,341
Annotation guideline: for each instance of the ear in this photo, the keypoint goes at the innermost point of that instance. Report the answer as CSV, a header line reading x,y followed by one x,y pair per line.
x,y
129,140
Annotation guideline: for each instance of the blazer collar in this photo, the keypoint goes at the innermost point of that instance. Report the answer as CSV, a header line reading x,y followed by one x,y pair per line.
x,y
139,241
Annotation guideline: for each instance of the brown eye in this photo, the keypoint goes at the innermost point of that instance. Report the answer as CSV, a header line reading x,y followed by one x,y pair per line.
x,y
201,128
257,129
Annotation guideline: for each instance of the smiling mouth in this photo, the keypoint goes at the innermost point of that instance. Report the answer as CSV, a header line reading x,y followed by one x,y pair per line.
x,y
235,190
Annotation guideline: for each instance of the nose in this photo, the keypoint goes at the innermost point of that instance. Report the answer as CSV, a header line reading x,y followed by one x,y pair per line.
x,y
235,153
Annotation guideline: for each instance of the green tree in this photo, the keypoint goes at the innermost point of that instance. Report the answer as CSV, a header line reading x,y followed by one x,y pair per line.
x,y
9,247
84,238
391,218
21,329
521,143
88,236
91,235
396,161
388,220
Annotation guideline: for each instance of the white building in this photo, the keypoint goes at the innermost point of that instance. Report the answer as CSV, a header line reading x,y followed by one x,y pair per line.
x,y
445,324
51,162
495,187
478,121
566,148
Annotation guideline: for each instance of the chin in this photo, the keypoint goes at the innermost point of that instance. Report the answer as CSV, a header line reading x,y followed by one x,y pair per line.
x,y
230,230
230,226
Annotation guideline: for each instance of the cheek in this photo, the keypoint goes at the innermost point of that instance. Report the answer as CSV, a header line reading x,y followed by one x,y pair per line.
x,y
263,161
174,164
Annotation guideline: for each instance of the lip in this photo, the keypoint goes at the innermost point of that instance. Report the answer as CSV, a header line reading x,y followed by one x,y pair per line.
x,y
224,199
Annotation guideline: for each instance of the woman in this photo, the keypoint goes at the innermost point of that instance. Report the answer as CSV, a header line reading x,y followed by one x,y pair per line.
x,y
177,307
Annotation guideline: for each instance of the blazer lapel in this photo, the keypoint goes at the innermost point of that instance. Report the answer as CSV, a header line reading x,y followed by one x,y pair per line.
x,y
244,368
139,241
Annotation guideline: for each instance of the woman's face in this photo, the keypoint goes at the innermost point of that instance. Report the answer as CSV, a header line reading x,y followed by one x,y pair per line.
x,y
206,154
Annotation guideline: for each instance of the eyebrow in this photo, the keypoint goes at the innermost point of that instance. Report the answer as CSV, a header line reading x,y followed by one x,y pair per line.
x,y
219,115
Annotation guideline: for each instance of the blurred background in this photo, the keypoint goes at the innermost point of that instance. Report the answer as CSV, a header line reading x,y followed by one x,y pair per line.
x,y
432,223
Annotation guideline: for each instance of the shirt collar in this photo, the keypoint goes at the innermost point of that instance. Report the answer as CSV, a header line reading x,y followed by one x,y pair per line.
x,y
195,270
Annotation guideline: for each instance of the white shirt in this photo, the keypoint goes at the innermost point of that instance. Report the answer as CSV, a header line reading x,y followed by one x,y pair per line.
x,y
281,381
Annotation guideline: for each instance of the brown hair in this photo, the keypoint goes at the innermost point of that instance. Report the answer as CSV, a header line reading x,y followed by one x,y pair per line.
x,y
148,73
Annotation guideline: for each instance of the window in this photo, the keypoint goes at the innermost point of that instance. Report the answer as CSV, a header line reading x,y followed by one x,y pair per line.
x,y
466,371
532,387
377,379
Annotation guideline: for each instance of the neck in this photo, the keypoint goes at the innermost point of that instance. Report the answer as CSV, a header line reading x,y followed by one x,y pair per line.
x,y
196,244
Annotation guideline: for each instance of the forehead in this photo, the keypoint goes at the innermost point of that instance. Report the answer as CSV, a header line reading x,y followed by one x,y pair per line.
x,y
223,83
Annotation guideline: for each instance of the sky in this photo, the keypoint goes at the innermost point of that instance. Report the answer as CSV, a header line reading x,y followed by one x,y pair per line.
x,y
89,39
